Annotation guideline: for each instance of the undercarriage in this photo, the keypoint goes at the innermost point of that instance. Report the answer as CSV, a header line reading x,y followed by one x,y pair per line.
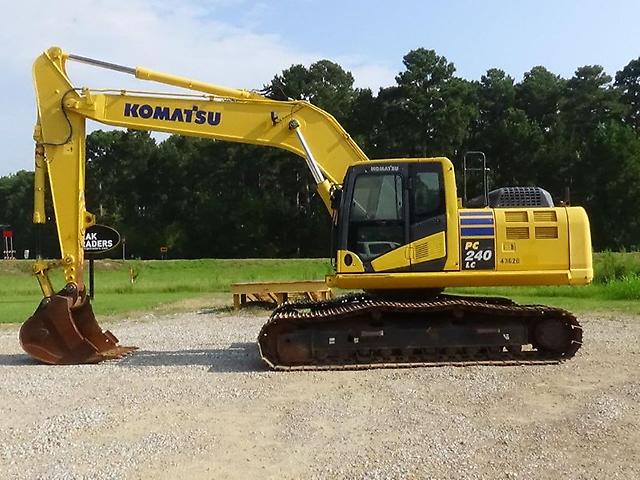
x,y
368,331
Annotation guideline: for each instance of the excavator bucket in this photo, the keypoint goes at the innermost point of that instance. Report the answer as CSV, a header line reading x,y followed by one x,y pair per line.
x,y
62,332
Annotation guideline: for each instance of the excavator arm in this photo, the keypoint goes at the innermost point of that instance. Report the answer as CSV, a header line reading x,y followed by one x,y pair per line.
x,y
63,328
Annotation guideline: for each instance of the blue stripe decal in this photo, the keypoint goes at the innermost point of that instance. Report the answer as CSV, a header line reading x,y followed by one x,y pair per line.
x,y
472,232
476,221
484,213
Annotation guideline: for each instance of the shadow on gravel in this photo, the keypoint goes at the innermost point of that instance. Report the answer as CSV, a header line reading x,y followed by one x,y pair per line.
x,y
215,310
238,357
253,308
11,360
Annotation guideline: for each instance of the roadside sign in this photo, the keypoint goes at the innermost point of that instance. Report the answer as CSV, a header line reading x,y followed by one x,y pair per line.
x,y
100,239
7,240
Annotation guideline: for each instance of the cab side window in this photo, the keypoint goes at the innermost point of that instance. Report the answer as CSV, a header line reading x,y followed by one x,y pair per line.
x,y
428,198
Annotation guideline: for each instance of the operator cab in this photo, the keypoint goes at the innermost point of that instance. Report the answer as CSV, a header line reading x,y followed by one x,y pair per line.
x,y
386,205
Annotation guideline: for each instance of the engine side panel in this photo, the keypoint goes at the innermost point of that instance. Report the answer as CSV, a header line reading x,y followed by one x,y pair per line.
x,y
532,239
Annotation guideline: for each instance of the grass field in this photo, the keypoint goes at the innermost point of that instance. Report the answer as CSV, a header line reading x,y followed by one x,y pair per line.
x,y
184,284
158,284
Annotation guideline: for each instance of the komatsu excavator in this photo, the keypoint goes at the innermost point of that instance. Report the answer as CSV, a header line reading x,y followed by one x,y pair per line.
x,y
400,234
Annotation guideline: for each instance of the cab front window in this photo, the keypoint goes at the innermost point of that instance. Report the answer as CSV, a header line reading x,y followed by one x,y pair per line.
x,y
376,220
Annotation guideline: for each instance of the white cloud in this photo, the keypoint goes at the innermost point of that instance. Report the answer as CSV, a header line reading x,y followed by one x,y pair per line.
x,y
184,38
373,76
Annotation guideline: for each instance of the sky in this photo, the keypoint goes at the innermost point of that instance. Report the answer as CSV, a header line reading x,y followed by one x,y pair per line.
x,y
243,44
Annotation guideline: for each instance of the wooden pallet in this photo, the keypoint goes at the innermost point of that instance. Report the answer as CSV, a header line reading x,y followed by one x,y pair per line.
x,y
279,292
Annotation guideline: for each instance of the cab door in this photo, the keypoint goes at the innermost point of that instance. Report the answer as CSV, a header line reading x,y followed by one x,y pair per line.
x,y
427,217
375,219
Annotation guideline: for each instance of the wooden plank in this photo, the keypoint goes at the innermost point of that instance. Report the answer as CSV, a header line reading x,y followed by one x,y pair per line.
x,y
271,287
272,297
279,292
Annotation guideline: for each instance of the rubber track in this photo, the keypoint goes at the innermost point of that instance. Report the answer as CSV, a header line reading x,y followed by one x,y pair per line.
x,y
342,308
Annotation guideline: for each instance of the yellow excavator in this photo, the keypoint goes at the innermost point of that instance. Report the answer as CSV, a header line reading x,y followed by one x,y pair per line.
x,y
400,234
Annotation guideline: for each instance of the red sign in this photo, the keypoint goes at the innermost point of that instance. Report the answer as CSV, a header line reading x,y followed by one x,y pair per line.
x,y
7,233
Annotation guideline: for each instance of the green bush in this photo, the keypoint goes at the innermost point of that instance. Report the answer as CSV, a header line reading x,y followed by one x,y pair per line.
x,y
627,288
612,266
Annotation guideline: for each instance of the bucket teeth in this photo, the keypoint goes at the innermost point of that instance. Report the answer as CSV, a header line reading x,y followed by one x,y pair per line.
x,y
64,332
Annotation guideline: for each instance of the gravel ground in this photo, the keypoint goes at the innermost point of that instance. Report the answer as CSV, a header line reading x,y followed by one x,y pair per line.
x,y
196,402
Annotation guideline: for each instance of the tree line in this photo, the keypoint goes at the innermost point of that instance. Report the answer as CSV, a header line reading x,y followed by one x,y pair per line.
x,y
200,198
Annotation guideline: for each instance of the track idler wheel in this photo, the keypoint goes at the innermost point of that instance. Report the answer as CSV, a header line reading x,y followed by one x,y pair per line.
x,y
63,330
